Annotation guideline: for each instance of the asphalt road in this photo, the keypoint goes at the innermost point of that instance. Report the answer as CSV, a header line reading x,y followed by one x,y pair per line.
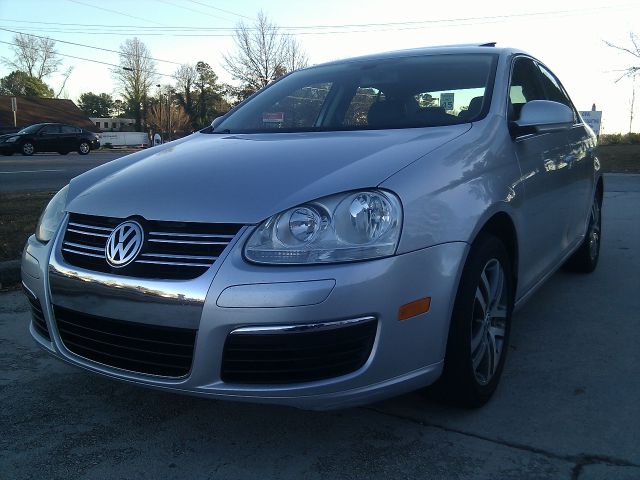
x,y
47,172
568,406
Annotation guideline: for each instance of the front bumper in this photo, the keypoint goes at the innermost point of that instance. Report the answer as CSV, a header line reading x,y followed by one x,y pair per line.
x,y
9,147
233,294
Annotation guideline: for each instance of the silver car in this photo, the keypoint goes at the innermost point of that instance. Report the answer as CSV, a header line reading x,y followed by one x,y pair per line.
x,y
356,230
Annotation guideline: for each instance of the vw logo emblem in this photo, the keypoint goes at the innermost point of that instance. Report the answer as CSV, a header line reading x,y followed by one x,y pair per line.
x,y
124,244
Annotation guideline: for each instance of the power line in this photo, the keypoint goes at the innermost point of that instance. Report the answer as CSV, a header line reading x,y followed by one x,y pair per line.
x,y
415,24
98,61
114,11
166,2
220,9
83,45
394,26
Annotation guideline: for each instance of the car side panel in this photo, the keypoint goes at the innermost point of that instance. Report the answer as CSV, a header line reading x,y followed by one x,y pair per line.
x,y
448,195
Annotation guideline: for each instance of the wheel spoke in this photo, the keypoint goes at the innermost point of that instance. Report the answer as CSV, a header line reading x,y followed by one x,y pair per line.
x,y
498,287
477,339
493,354
480,353
481,301
499,311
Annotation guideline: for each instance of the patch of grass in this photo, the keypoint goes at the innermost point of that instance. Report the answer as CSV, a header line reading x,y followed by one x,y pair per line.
x,y
19,214
619,158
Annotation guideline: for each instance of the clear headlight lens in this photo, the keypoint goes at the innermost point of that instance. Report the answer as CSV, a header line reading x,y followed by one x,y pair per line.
x,y
11,139
339,228
52,216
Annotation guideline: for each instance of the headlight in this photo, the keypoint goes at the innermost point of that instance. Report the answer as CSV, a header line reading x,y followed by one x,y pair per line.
x,y
52,216
339,228
11,139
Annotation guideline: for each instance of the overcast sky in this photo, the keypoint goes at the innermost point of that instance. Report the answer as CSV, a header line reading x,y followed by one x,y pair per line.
x,y
568,36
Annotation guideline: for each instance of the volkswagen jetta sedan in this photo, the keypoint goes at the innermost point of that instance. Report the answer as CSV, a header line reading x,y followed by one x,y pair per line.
x,y
49,137
355,230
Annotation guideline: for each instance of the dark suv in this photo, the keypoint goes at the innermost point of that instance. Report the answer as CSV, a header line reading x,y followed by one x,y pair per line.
x,y
49,137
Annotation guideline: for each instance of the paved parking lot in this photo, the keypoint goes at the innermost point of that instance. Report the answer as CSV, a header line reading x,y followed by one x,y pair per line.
x,y
568,406
48,171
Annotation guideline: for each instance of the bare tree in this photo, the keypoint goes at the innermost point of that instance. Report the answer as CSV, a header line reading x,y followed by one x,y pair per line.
x,y
168,117
65,77
295,57
36,56
186,77
262,54
135,76
634,50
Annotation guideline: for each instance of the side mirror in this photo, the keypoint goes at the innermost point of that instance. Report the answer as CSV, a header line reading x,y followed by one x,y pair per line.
x,y
544,116
217,121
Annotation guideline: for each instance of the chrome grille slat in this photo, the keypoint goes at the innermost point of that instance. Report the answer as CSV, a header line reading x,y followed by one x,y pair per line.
x,y
186,242
78,252
172,250
92,227
83,232
154,262
87,247
195,235
184,257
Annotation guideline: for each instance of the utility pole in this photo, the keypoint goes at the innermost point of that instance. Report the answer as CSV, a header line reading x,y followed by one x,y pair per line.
x,y
14,108
633,101
160,104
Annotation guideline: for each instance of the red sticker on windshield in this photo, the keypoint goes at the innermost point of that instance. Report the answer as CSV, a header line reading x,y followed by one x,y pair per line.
x,y
273,117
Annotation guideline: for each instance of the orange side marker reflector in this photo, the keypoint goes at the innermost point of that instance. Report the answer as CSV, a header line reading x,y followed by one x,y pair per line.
x,y
414,308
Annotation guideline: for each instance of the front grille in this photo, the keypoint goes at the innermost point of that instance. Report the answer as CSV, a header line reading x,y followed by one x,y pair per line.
x,y
37,316
171,250
296,355
137,347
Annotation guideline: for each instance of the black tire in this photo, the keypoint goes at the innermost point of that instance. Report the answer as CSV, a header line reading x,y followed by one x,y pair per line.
x,y
27,148
63,153
84,148
461,383
585,258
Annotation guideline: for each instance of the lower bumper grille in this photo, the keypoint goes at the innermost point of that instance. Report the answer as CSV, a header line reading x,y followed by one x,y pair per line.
x,y
297,354
37,316
137,347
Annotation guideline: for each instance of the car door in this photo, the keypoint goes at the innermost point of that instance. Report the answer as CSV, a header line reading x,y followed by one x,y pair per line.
x,y
70,138
48,138
546,208
579,161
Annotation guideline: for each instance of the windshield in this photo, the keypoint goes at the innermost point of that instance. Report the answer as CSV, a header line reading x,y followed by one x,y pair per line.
x,y
31,129
408,92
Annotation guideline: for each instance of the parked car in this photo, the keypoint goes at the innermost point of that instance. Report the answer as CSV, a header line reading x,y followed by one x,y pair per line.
x,y
49,137
356,230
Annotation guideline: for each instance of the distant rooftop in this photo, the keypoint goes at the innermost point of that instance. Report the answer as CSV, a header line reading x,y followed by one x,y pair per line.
x,y
33,110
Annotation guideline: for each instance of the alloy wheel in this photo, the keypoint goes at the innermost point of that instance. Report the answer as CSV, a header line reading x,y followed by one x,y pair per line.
x,y
27,148
489,323
84,147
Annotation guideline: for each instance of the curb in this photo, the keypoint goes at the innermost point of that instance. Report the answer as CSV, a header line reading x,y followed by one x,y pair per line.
x,y
9,273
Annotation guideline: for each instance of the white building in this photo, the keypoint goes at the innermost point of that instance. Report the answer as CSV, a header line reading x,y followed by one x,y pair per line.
x,y
114,124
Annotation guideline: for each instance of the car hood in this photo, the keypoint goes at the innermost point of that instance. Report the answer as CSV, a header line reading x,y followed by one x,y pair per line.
x,y
3,137
247,178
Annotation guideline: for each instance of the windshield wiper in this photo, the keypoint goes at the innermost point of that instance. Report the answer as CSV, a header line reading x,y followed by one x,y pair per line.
x,y
223,132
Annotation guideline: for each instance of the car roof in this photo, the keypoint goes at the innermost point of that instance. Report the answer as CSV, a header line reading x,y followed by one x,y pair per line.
x,y
435,50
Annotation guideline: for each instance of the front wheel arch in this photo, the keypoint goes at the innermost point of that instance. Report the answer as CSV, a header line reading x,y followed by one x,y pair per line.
x,y
501,226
